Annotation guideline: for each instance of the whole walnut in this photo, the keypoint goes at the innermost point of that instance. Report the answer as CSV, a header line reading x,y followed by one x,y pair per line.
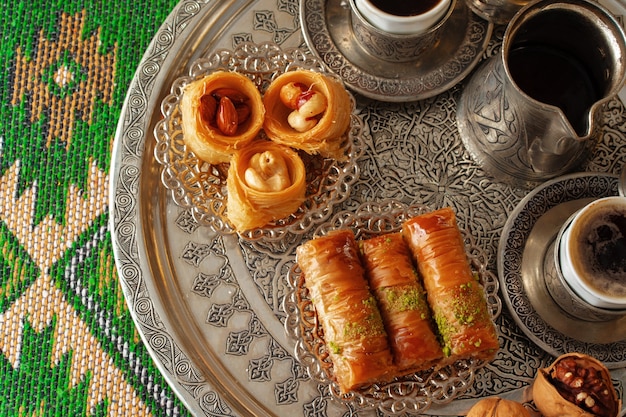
x,y
497,407
575,385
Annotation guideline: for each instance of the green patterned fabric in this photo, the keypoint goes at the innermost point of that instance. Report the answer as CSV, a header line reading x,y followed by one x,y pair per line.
x,y
69,346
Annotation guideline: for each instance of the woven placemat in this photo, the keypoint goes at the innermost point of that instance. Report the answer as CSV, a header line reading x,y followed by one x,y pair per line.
x,y
69,346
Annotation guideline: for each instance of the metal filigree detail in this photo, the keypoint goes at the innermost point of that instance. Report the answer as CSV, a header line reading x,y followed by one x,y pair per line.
x,y
201,187
414,150
402,87
125,230
415,392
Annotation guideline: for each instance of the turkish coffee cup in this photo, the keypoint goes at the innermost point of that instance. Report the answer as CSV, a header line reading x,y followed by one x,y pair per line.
x,y
399,38
592,253
403,18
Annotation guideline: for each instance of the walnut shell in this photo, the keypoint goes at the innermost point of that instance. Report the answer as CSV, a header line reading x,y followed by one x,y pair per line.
x,y
575,385
497,407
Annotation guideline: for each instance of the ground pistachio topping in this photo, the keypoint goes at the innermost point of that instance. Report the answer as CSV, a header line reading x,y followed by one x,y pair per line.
x,y
467,304
445,332
407,298
371,326
334,348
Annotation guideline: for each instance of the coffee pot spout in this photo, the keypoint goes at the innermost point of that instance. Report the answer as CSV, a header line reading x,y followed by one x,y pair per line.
x,y
558,145
534,111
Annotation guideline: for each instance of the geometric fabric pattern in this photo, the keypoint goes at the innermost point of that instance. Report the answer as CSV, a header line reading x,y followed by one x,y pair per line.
x,y
68,344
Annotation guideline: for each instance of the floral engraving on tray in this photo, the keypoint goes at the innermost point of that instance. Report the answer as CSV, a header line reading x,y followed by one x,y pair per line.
x,y
265,20
412,148
228,308
126,231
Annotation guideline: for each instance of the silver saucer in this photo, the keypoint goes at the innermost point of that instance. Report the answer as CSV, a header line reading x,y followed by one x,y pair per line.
x,y
328,33
526,256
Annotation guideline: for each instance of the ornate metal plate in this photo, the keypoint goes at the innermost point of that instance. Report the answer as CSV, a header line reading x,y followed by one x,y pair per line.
x,y
413,393
202,187
328,32
526,255
209,307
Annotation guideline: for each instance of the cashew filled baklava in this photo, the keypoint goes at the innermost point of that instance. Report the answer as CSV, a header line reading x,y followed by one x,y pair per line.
x,y
308,111
266,181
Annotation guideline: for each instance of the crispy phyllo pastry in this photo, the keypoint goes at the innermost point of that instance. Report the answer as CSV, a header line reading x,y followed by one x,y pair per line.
x,y
221,113
266,181
381,317
455,296
353,328
406,315
309,111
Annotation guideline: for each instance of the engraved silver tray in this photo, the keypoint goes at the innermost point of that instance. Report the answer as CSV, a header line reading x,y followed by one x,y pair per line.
x,y
209,306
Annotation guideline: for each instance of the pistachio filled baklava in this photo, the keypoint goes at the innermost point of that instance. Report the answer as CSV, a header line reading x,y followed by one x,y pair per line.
x,y
394,281
455,295
346,309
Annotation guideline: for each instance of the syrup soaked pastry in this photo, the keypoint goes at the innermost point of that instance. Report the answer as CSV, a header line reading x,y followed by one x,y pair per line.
x,y
221,113
266,181
406,315
455,296
309,111
346,309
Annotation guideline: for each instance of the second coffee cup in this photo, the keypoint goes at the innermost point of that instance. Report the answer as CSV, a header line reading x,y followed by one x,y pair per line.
x,y
592,253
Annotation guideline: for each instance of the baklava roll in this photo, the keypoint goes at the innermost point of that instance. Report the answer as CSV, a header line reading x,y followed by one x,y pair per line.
x,y
402,302
455,295
266,181
346,309
220,113
309,111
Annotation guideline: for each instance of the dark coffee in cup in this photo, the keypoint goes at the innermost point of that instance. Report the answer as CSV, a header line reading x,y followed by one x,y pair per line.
x,y
405,8
599,250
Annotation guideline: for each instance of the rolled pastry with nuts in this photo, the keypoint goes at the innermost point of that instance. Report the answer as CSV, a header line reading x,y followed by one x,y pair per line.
x,y
266,181
455,295
309,111
402,301
346,309
221,113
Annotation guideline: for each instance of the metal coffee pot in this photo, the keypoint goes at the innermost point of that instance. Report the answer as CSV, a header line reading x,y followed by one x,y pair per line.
x,y
534,111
